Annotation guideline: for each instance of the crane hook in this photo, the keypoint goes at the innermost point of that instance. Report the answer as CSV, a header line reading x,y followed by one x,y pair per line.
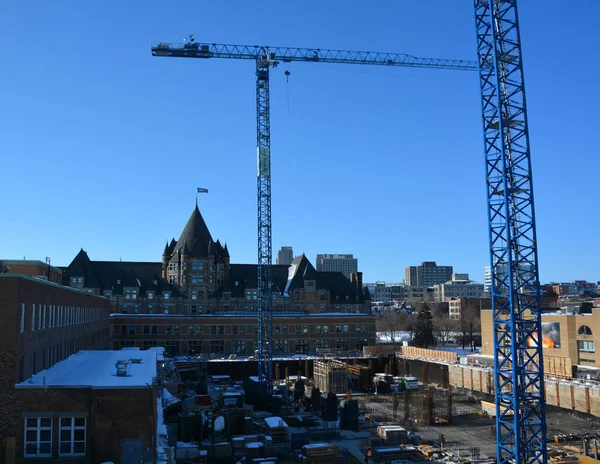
x,y
287,76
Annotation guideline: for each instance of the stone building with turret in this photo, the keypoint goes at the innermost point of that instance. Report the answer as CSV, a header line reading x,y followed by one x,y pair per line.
x,y
195,301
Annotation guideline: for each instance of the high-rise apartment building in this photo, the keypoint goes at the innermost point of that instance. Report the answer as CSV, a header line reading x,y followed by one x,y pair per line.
x,y
346,264
487,279
285,255
428,274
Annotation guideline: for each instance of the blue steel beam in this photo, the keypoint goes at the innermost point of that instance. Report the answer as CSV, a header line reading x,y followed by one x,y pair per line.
x,y
518,362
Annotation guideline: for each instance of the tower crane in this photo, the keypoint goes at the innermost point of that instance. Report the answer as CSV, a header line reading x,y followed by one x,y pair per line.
x,y
518,364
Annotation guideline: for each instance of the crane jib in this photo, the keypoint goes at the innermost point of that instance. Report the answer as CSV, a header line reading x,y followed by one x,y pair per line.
x,y
288,55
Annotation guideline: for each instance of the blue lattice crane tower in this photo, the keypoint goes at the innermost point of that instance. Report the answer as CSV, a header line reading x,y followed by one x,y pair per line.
x,y
518,363
518,366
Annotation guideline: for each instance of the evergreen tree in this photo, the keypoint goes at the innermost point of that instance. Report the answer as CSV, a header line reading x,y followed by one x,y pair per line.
x,y
424,330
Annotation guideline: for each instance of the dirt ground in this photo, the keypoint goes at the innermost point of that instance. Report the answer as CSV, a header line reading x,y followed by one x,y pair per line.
x,y
470,428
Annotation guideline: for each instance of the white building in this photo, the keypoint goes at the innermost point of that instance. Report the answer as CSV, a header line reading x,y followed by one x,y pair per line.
x,y
487,278
458,288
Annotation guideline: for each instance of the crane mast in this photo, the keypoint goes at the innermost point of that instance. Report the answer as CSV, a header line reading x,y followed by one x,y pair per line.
x,y
518,363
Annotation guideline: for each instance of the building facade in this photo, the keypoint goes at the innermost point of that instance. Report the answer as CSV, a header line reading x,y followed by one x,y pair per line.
x,y
196,286
42,323
81,411
564,335
459,287
220,335
346,264
285,255
427,274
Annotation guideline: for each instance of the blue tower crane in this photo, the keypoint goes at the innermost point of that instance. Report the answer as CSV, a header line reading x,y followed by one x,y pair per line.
x,y
518,366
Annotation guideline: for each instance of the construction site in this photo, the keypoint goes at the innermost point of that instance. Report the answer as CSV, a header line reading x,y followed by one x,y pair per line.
x,y
326,410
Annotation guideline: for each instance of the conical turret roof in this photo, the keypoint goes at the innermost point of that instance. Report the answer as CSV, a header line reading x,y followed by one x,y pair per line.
x,y
195,236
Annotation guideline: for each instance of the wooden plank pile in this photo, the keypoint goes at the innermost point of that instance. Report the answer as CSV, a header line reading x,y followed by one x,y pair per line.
x,y
320,453
278,431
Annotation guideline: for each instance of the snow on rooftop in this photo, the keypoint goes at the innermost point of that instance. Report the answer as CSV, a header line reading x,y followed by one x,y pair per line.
x,y
157,349
275,421
96,369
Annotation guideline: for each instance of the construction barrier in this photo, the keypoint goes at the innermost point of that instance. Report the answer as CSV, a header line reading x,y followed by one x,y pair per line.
x,y
423,353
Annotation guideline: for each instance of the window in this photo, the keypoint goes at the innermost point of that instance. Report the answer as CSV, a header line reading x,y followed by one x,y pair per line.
x,y
22,317
72,436
341,344
358,328
167,295
146,330
44,318
38,436
131,330
194,347
585,346
172,347
149,343
213,330
194,294
322,344
298,329
154,330
150,295
302,346
169,329
242,330
234,330
360,342
221,330
239,346
217,346
281,346
584,330
176,330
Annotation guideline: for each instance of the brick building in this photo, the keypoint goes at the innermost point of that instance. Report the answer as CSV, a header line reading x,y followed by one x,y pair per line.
x,y
225,334
42,323
82,411
195,285
32,268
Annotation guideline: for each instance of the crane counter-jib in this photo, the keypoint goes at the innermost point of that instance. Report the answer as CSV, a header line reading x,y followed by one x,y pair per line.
x,y
286,55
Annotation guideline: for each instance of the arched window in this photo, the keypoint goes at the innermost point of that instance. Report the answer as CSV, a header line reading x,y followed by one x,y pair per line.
x,y
584,330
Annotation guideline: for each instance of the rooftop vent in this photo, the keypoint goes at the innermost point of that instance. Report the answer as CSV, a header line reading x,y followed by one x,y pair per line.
x,y
122,368
136,361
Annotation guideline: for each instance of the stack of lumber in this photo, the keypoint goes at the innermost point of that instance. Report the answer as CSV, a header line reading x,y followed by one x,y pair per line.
x,y
278,430
320,453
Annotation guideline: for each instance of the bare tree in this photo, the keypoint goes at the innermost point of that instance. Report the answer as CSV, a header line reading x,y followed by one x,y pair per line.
x,y
470,324
406,323
388,324
444,328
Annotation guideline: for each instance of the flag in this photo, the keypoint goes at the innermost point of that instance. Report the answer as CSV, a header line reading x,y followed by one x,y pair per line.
x,y
202,190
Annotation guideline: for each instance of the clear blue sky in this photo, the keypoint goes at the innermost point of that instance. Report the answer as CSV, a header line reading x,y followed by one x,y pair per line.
x,y
102,146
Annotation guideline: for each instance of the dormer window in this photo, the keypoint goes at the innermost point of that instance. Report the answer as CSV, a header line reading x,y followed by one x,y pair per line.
x,y
150,295
118,281
166,295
